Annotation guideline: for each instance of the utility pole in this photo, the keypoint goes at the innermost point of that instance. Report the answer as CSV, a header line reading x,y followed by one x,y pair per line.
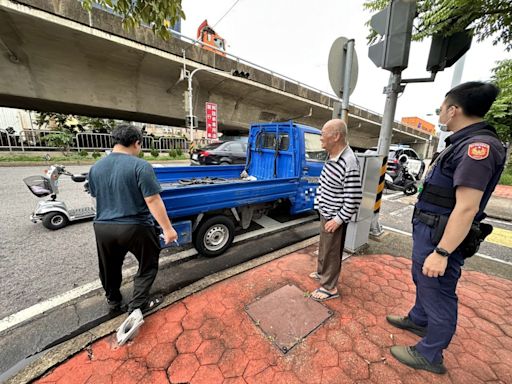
x,y
346,83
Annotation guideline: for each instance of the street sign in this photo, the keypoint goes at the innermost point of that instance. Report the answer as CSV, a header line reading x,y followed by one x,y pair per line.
x,y
336,66
211,120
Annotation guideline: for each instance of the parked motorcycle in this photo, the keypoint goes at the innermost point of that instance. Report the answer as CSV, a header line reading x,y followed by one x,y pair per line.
x,y
404,181
53,213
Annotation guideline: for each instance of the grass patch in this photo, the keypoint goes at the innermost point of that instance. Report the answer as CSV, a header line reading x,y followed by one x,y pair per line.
x,y
73,158
506,176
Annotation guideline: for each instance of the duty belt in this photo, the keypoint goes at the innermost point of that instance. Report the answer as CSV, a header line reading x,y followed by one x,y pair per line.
x,y
430,219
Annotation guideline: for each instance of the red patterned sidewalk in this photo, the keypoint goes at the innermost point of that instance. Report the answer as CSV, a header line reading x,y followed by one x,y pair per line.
x,y
209,338
503,191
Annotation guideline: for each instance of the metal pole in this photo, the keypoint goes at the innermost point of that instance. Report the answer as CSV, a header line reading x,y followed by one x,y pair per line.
x,y
190,113
391,91
346,82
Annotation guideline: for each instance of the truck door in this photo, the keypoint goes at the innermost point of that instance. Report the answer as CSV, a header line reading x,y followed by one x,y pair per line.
x,y
315,155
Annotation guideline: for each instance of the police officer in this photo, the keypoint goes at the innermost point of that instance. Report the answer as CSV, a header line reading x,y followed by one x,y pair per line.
x,y
446,221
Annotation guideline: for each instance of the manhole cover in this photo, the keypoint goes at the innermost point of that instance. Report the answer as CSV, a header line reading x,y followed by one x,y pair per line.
x,y
287,316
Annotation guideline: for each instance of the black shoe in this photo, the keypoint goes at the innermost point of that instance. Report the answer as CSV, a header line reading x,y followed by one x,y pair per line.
x,y
114,305
412,358
403,322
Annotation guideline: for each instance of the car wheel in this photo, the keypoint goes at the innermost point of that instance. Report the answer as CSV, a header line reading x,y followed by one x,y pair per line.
x,y
214,236
55,220
224,163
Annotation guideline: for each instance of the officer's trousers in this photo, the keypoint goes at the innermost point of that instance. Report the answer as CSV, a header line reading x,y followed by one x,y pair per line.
x,y
113,242
436,300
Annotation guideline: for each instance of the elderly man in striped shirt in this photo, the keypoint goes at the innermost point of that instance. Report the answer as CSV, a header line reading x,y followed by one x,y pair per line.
x,y
339,196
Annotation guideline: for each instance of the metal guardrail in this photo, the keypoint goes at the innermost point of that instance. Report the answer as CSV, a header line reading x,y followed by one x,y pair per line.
x,y
28,140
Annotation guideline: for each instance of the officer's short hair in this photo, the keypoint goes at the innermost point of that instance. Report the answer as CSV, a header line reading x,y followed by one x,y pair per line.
x,y
474,97
126,135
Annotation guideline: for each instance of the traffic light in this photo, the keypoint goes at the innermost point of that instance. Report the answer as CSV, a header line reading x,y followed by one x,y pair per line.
x,y
191,121
394,24
242,74
445,51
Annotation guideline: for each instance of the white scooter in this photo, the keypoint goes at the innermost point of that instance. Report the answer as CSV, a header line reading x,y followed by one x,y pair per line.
x,y
53,213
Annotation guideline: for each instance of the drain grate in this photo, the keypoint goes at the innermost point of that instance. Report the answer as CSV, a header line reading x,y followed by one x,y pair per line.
x,y
287,316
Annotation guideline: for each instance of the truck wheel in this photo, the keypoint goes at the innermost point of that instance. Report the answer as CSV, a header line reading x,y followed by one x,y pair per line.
x,y
214,235
55,220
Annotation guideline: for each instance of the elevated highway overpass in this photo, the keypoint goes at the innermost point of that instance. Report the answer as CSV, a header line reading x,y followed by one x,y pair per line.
x,y
57,57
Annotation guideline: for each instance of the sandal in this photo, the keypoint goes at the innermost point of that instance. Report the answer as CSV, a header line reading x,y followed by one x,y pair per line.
x,y
326,295
149,305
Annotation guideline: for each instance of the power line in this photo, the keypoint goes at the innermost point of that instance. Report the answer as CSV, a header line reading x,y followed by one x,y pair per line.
x,y
229,10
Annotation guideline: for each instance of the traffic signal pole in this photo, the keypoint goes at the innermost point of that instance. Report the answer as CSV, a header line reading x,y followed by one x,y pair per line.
x,y
392,90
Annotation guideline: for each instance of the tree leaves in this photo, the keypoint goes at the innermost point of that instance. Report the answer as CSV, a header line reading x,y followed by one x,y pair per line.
x,y
488,18
500,114
158,14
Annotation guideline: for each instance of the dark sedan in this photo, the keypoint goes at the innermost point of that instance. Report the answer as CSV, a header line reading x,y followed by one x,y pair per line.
x,y
220,153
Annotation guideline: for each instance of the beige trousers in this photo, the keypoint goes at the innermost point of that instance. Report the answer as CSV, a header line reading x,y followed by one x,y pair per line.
x,y
330,252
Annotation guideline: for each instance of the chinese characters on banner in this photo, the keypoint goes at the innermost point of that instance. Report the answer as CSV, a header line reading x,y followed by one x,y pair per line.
x,y
211,120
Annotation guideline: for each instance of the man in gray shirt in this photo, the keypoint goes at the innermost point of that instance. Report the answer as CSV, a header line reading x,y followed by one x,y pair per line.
x,y
127,199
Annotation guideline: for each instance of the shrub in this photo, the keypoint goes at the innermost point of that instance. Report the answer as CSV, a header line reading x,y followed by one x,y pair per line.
x,y
83,153
172,153
141,154
96,154
155,152
179,152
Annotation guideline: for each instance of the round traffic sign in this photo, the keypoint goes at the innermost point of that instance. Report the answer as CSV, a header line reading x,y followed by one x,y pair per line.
x,y
336,66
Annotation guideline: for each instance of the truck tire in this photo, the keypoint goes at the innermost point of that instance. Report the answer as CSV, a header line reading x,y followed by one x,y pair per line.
x,y
55,220
214,235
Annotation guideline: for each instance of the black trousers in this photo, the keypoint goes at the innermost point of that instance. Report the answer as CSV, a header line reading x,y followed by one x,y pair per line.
x,y
113,241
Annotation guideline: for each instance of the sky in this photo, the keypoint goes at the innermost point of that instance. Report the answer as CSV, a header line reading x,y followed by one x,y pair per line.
x,y
293,38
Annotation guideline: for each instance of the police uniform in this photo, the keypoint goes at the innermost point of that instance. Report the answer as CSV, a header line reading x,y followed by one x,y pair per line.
x,y
474,158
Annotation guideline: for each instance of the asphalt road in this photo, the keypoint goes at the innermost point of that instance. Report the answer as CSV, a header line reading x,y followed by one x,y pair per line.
x,y
37,264
397,213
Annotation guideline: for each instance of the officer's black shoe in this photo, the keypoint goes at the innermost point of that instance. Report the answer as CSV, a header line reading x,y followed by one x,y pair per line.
x,y
412,358
403,322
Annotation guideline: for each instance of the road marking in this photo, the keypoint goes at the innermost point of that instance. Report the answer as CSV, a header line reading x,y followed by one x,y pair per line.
x,y
500,236
400,211
56,301
477,254
392,196
502,222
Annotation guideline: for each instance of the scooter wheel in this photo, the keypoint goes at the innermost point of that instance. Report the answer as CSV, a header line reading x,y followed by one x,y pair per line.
x,y
410,190
55,220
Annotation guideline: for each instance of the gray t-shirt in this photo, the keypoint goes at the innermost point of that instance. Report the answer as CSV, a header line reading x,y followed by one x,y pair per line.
x,y
120,182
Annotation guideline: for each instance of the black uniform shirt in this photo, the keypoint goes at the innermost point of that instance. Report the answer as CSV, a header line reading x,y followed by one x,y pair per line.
x,y
478,159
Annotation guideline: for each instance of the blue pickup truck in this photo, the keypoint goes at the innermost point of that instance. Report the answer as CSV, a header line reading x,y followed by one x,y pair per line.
x,y
208,203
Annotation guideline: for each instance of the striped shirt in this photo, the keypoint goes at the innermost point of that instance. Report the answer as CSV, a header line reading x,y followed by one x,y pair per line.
x,y
340,192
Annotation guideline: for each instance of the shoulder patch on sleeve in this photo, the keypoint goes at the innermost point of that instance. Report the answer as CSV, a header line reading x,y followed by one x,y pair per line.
x,y
478,151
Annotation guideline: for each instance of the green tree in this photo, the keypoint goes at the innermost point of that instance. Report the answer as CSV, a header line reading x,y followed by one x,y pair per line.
x,y
500,114
486,17
62,140
159,14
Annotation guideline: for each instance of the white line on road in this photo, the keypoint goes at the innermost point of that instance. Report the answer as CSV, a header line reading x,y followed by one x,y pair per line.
x,y
405,209
502,222
477,254
391,196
